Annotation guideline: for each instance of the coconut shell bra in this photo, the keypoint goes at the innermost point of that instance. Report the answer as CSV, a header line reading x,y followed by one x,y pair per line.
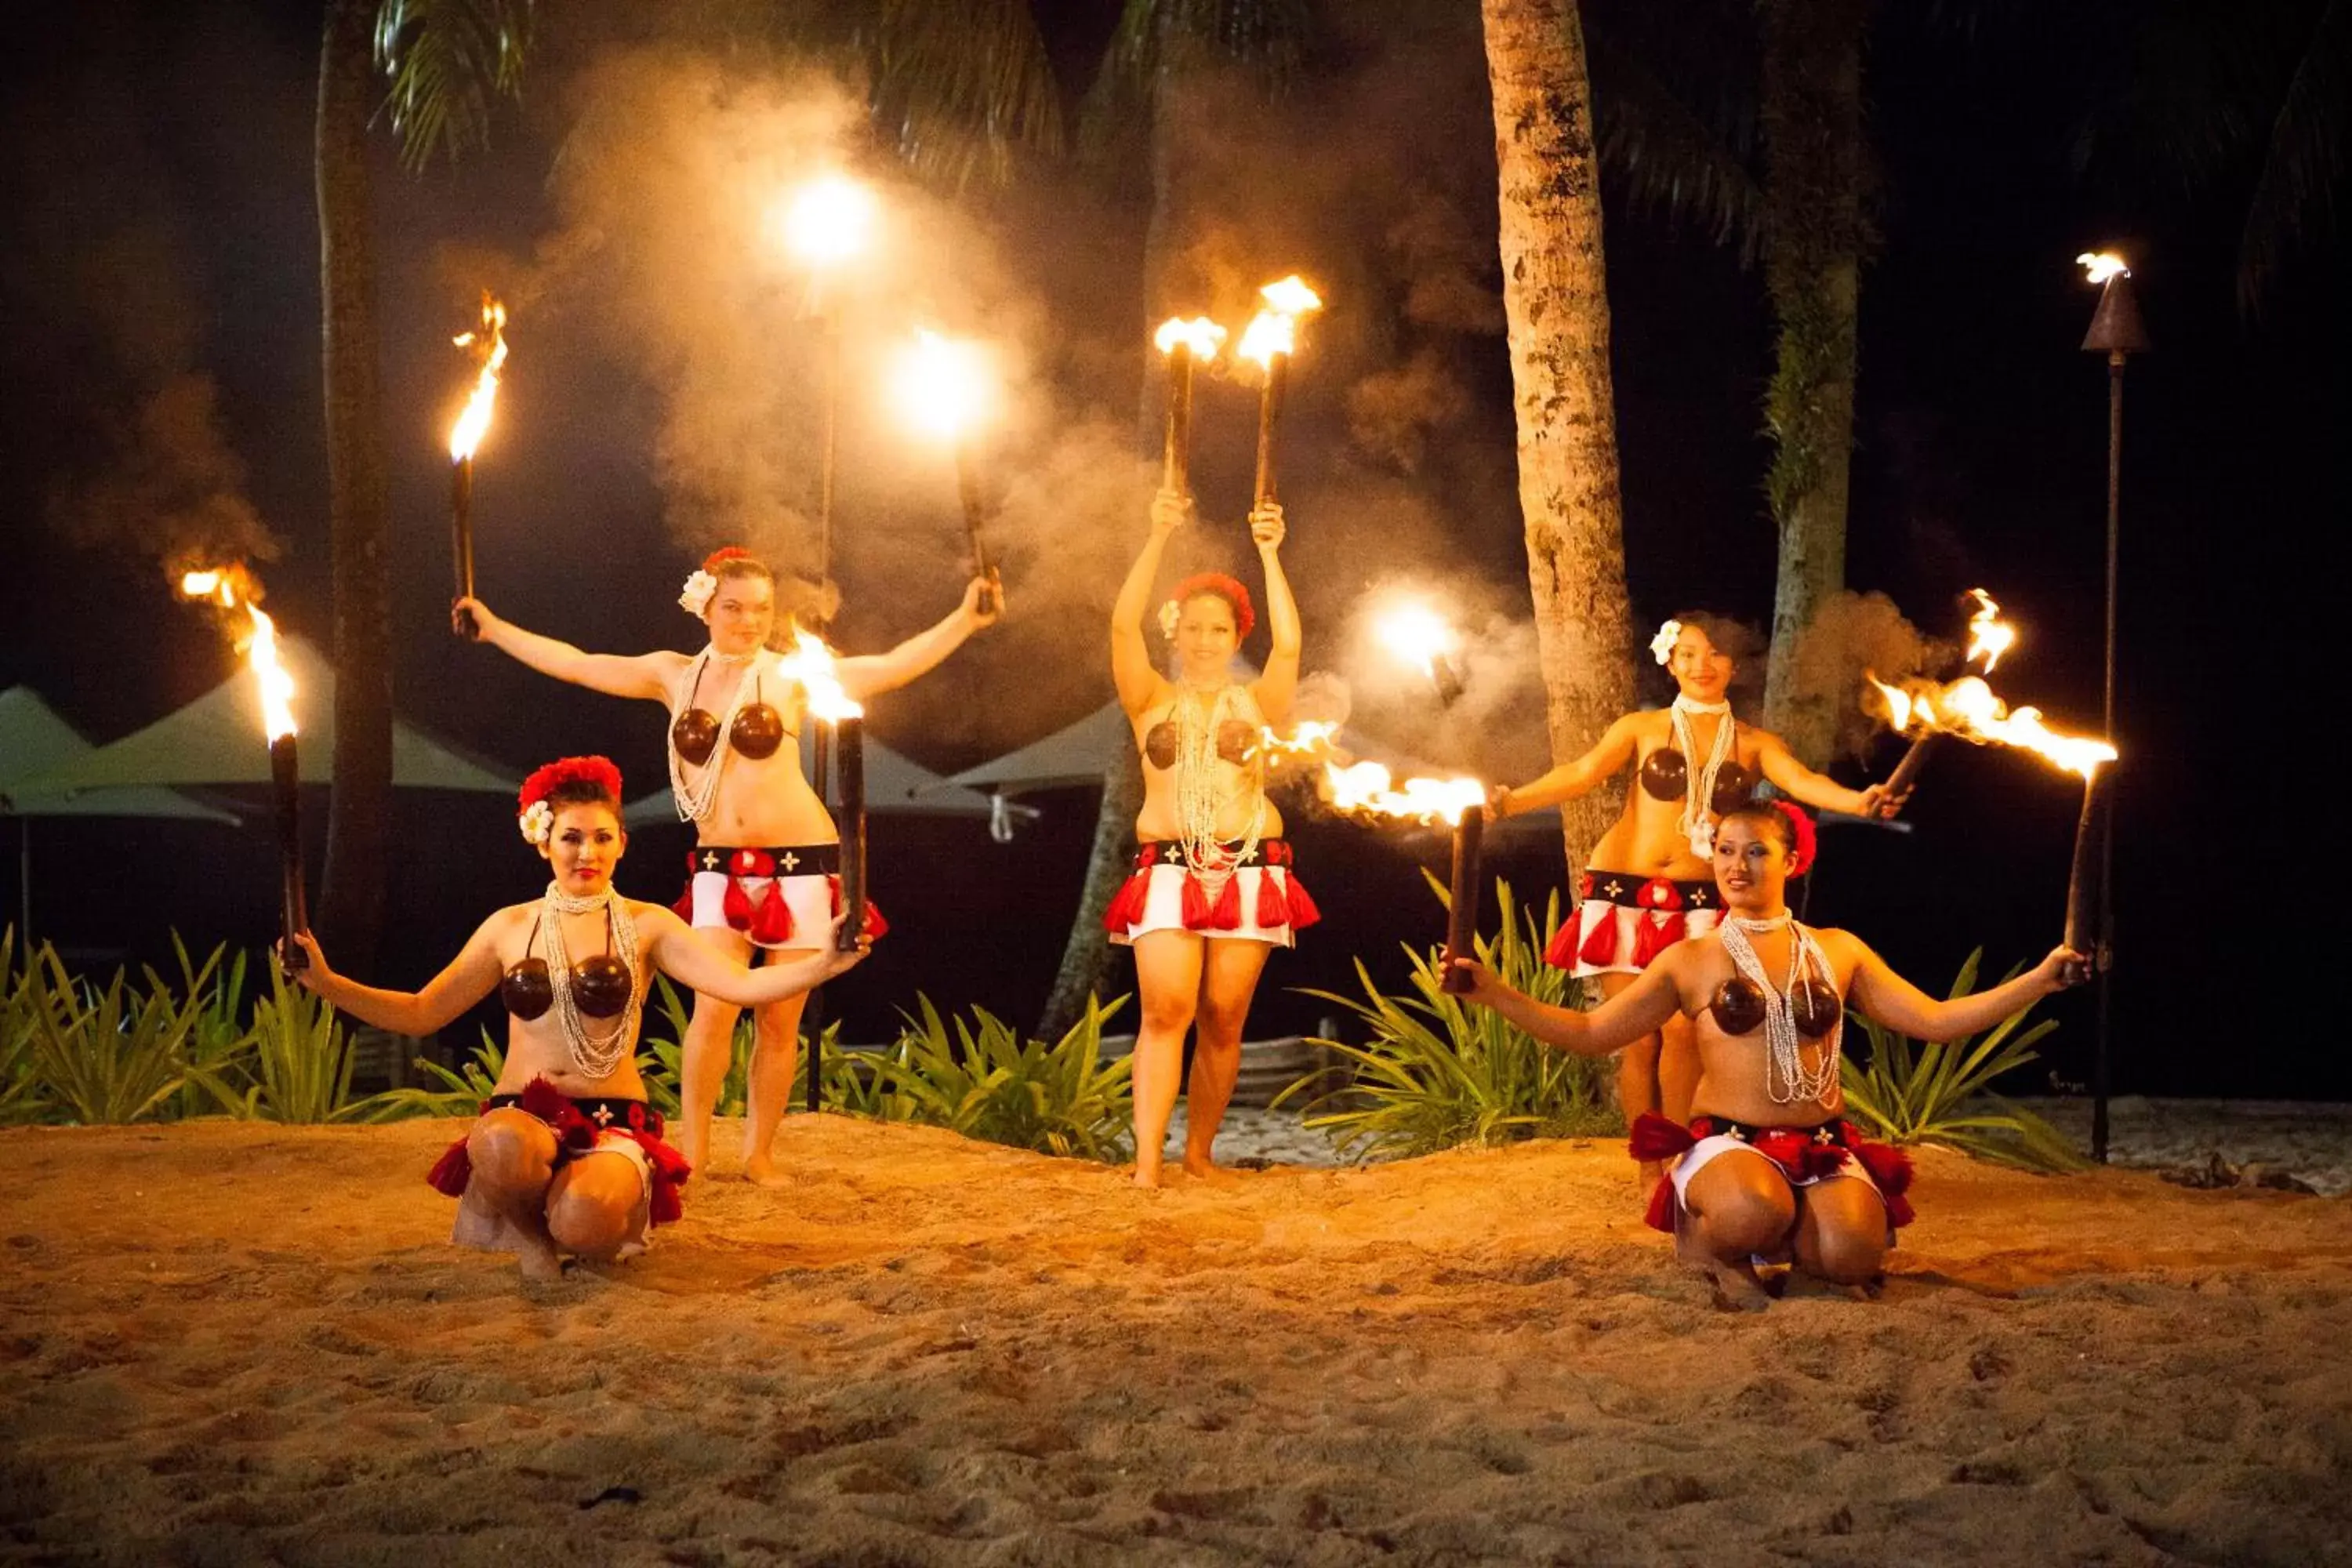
x,y
1233,738
1665,776
1738,1008
600,983
757,730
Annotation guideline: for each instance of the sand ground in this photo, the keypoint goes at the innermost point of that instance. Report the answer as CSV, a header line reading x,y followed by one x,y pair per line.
x,y
230,1344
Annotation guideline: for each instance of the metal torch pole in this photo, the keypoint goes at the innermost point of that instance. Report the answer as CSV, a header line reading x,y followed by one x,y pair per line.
x,y
820,742
2102,1080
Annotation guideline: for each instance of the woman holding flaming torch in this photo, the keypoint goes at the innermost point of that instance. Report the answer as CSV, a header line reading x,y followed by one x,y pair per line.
x,y
764,873
1768,1167
567,1157
1647,885
1215,889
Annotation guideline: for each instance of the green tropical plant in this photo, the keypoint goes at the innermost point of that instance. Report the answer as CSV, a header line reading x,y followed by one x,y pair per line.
x,y
983,1081
220,1037
20,1098
664,1074
300,1066
461,1092
1937,1091
104,1057
1437,1074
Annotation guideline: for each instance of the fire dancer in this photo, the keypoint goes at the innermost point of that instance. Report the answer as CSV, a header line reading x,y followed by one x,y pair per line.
x,y
567,1157
1215,888
764,872
1646,887
1768,1167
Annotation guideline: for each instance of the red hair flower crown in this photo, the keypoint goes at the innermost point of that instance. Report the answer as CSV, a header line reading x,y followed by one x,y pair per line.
x,y
1807,845
695,597
535,814
1228,589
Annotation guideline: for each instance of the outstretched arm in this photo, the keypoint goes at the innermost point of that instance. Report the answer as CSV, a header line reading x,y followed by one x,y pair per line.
x,y
1640,1009
1131,668
470,977
672,947
1894,1002
1279,681
1570,780
645,675
870,673
1791,778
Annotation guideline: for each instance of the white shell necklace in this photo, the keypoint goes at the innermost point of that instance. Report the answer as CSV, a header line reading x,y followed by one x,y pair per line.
x,y
693,798
1696,824
1198,715
592,1056
1796,1084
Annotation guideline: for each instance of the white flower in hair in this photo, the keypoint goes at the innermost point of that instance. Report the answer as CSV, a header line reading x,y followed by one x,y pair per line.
x,y
1662,647
1170,614
536,822
695,596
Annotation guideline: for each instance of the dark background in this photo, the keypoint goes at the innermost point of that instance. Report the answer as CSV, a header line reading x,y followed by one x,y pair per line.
x,y
1980,458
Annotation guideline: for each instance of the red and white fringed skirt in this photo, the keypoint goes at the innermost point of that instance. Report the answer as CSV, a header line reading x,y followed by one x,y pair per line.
x,y
784,897
583,1125
1805,1155
1625,920
1261,900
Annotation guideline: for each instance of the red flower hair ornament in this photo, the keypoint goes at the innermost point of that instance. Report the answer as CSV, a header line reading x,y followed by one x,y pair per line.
x,y
1228,589
1806,845
536,813
695,596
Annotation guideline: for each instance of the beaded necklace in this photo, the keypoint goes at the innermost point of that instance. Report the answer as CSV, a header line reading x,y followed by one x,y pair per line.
x,y
592,1057
1797,1085
694,799
1696,823
1197,716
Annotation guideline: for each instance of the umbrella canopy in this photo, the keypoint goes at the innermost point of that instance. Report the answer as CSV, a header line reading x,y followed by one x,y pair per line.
x,y
217,740
34,740
895,786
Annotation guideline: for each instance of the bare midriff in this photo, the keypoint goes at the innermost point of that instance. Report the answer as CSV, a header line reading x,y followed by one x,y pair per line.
x,y
1731,1081
1238,790
1645,838
536,1047
764,801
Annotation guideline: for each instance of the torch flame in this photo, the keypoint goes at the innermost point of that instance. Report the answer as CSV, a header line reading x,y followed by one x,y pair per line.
x,y
233,587
942,385
1989,637
1416,634
489,345
2101,265
1969,709
811,664
1274,329
1367,789
1200,335
1291,295
1310,738
828,220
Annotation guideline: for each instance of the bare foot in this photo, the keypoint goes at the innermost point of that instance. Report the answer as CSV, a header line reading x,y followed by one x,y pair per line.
x,y
760,1170
1202,1168
539,1260
1146,1170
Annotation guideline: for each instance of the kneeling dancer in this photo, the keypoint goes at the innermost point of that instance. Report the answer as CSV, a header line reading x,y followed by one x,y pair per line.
x,y
1768,1168
567,1157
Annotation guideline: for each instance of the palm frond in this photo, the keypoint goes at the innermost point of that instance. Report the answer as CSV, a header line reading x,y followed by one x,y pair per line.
x,y
961,89
2304,161
445,61
1682,134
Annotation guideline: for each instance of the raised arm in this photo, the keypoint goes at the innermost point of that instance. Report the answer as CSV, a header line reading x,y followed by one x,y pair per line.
x,y
1131,670
470,976
646,675
1791,778
1279,681
672,947
1902,1006
869,673
1570,780
1640,1009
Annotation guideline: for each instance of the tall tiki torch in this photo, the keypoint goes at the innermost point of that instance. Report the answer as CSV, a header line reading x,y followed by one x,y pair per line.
x,y
2116,332
1461,913
1271,339
234,588
1186,344
943,385
487,344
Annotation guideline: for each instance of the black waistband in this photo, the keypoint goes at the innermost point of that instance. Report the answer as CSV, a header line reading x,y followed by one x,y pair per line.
x,y
780,859
1626,888
1832,1131
1151,852
601,1111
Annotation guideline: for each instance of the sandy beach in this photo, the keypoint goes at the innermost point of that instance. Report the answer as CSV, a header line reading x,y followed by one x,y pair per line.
x,y
231,1343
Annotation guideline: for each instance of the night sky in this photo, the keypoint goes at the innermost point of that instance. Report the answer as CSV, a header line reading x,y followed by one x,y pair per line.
x,y
161,227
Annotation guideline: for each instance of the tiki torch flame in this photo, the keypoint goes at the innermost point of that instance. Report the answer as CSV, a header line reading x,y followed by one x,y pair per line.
x,y
1989,637
828,220
1969,709
234,588
942,385
811,664
1274,329
1368,789
489,345
1310,740
1417,635
1202,336
1291,295
2098,266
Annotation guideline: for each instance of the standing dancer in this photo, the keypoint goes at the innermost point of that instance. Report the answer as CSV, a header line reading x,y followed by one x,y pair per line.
x,y
1213,890
764,873
567,1157
1647,885
1768,1168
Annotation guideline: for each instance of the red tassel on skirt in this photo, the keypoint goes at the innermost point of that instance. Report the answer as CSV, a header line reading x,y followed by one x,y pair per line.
x,y
1127,904
737,905
1303,912
1560,951
1600,948
1195,903
1660,1215
1273,909
1652,936
1225,914
452,1171
774,923
1653,1137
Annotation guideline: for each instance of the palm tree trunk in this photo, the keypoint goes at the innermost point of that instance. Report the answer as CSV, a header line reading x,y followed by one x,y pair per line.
x,y
1815,237
1556,302
351,899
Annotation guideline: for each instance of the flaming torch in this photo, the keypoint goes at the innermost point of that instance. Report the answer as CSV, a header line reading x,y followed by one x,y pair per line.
x,y
942,385
1418,635
1185,343
489,346
1271,339
1368,791
811,664
1989,637
232,587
